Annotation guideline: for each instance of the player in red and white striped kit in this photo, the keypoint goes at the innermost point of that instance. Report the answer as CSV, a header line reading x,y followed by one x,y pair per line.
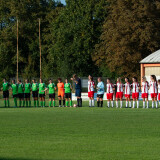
x,y
119,94
153,90
159,91
91,87
127,90
144,89
135,92
109,87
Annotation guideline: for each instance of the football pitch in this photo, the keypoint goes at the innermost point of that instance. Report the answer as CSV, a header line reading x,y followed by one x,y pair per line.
x,y
79,133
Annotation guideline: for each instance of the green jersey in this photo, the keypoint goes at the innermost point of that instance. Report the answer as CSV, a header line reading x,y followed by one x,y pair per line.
x,y
20,88
14,89
27,88
41,88
6,86
34,86
51,88
67,88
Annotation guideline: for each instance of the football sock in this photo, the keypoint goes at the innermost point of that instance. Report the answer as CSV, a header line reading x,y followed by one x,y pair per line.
x,y
66,103
54,103
130,105
143,104
133,104
137,104
80,102
112,104
92,102
108,104
126,103
98,103
156,104
30,103
8,102
15,102
5,103
60,102
41,104
26,103
37,103
101,103
121,103
152,104
44,103
70,102
50,103
117,104
147,104
23,103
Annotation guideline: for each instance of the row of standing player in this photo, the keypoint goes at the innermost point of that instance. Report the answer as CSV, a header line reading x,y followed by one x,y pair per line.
x,y
126,88
22,91
65,91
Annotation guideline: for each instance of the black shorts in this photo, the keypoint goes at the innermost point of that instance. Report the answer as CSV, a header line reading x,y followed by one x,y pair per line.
x,y
35,94
21,95
78,93
100,95
5,94
15,96
67,95
52,95
41,95
27,95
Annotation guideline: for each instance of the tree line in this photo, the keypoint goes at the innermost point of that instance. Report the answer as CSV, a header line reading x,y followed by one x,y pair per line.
x,y
98,37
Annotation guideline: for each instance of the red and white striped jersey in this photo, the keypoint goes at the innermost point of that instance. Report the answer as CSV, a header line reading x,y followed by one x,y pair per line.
x,y
127,88
135,87
91,85
145,87
119,87
153,87
158,88
109,87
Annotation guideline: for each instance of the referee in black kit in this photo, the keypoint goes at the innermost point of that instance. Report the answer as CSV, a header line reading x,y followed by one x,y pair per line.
x,y
78,88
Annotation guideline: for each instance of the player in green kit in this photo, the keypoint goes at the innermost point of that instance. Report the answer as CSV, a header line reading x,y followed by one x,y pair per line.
x,y
68,88
21,93
14,87
35,92
42,92
51,87
27,92
6,86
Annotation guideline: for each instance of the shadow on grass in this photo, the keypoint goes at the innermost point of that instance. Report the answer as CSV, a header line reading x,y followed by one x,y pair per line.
x,y
16,159
14,107
26,159
28,108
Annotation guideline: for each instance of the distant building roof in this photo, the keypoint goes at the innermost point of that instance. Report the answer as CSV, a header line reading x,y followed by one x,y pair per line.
x,y
152,58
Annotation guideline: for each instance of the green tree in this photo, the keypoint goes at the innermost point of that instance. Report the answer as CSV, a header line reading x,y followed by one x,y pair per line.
x,y
130,33
28,13
74,35
48,64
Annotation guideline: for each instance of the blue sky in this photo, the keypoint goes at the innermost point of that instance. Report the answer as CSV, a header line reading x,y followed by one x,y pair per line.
x,y
63,1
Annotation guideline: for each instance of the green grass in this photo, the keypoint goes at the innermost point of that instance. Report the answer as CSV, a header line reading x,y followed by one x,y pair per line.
x,y
79,133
